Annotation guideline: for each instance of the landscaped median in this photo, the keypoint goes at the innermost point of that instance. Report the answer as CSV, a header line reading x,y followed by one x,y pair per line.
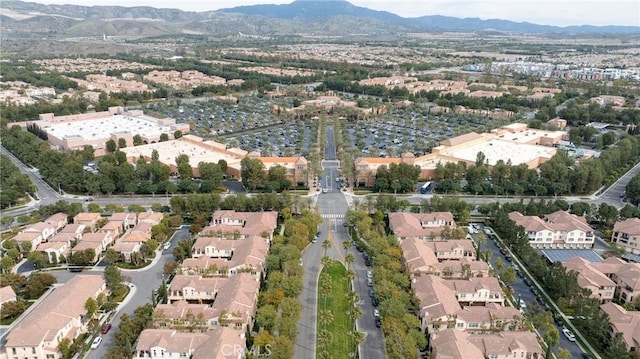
x,y
335,323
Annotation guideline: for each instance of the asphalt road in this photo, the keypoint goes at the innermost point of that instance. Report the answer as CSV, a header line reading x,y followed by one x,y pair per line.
x,y
144,282
612,194
525,292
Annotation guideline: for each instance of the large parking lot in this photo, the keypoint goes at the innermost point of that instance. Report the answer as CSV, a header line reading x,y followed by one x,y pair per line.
x,y
402,131
290,139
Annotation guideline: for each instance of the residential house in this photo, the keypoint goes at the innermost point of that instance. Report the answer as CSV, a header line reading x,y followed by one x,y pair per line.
x,y
626,234
33,238
114,228
95,245
419,258
152,218
453,344
437,302
227,256
601,286
75,229
476,291
128,219
504,345
142,227
184,316
626,276
135,237
489,318
105,239
425,226
454,249
55,251
625,322
90,220
58,220
242,225
126,250
7,295
558,230
46,230
195,289
59,315
67,238
220,343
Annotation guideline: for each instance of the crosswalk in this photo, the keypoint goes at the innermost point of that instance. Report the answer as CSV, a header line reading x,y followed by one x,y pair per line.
x,y
333,215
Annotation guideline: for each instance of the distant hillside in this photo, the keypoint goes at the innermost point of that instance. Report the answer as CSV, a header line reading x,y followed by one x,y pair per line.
x,y
19,19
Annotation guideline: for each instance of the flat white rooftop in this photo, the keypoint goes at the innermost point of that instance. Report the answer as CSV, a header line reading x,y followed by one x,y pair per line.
x,y
498,149
169,150
103,127
528,135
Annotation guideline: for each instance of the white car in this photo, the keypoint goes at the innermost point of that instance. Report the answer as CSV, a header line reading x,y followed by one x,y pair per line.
x,y
96,343
570,336
369,274
376,313
523,305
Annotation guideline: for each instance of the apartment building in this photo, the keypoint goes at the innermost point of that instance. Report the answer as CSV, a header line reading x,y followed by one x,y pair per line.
x,y
601,286
59,315
476,291
625,322
558,230
438,303
490,318
626,234
220,343
424,226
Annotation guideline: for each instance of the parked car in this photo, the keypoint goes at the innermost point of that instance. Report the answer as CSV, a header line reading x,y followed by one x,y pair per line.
x,y
106,328
372,293
376,313
96,343
570,336
374,301
370,282
369,274
378,322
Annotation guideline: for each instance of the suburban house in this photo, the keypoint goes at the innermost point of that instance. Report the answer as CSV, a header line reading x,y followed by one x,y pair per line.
x,y
425,226
476,291
241,225
135,237
195,289
454,344
126,249
438,303
95,245
152,218
419,257
75,229
216,256
128,219
7,295
58,220
90,220
55,250
601,286
625,322
59,315
33,238
46,230
68,238
105,239
626,234
558,230
114,228
489,318
220,343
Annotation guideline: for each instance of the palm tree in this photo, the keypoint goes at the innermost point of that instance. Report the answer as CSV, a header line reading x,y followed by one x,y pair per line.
x,y
351,275
324,339
346,245
325,288
325,317
350,258
358,336
325,245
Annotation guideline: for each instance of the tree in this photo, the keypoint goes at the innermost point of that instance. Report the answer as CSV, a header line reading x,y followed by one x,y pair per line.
x,y
122,143
111,256
164,137
137,140
91,305
563,354
111,146
252,173
64,347
39,259
13,309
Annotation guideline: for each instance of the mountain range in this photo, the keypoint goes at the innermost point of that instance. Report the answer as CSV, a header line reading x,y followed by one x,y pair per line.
x,y
318,17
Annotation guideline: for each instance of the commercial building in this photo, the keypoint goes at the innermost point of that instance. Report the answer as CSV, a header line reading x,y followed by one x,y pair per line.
x,y
200,150
73,132
514,143
59,315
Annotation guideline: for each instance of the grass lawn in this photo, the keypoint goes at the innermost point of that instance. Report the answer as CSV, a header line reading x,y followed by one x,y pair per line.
x,y
338,305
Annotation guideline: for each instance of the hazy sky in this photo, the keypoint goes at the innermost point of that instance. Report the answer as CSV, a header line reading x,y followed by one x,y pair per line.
x,y
548,12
